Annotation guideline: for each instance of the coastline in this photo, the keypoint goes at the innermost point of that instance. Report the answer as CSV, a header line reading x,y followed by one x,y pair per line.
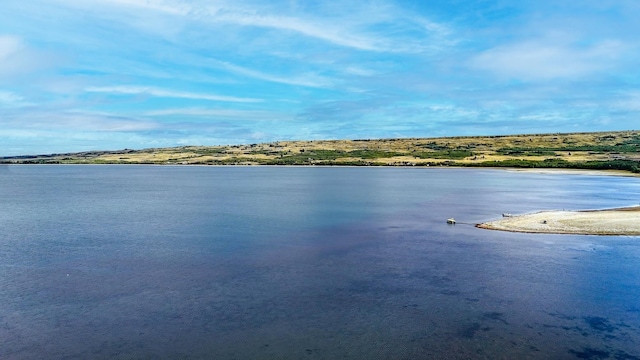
x,y
549,171
568,171
618,221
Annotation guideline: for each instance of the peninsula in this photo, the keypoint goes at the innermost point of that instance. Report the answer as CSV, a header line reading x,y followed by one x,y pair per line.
x,y
624,221
617,150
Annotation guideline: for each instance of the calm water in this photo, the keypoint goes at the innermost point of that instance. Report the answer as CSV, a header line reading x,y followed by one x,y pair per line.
x,y
146,262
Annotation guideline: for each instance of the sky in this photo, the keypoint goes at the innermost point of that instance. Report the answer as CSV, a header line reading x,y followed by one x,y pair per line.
x,y
78,75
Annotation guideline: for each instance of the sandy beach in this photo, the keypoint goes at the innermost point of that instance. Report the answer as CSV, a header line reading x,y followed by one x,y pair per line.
x,y
623,221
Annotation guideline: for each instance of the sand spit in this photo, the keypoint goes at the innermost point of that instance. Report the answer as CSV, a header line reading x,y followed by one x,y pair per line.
x,y
623,221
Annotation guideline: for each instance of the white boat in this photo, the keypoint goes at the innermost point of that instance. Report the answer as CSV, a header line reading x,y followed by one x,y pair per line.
x,y
451,221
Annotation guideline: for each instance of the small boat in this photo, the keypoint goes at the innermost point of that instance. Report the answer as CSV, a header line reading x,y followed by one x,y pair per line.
x,y
506,215
451,221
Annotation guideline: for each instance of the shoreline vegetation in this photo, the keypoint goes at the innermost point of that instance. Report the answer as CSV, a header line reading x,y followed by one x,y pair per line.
x,y
621,221
618,150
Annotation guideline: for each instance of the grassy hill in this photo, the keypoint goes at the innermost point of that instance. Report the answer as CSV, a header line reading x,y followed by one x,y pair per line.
x,y
602,150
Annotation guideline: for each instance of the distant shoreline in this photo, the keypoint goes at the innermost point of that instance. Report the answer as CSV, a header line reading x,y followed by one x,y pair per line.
x,y
614,150
618,221
553,171
569,171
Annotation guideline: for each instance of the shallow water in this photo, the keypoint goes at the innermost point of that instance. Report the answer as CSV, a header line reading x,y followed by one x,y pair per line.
x,y
320,263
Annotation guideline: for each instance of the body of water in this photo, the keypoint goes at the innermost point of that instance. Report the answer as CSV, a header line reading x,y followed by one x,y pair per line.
x,y
154,262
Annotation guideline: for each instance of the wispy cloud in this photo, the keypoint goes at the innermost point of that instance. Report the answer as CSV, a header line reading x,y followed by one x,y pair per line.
x,y
143,90
9,45
627,101
51,120
331,33
309,80
17,58
379,27
546,59
10,98
174,8
373,27
244,115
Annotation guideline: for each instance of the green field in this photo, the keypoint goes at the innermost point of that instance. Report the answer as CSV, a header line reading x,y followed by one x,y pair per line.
x,y
601,151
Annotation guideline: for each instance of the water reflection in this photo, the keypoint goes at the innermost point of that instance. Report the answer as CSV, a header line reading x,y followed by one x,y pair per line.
x,y
162,262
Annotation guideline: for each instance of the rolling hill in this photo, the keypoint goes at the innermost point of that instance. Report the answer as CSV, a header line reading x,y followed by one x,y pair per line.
x,y
619,150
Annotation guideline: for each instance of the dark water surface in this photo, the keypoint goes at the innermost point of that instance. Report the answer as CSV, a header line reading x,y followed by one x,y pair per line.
x,y
148,262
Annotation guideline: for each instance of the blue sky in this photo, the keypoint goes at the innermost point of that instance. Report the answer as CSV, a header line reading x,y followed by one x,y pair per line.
x,y
110,74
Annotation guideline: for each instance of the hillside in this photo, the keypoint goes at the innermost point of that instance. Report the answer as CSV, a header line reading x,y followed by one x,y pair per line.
x,y
602,150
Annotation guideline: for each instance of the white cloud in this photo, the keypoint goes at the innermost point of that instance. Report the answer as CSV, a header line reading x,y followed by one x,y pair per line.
x,y
151,91
12,60
628,101
309,80
543,60
10,98
378,27
74,121
160,6
154,5
103,122
17,58
359,71
9,45
224,113
331,33
544,116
